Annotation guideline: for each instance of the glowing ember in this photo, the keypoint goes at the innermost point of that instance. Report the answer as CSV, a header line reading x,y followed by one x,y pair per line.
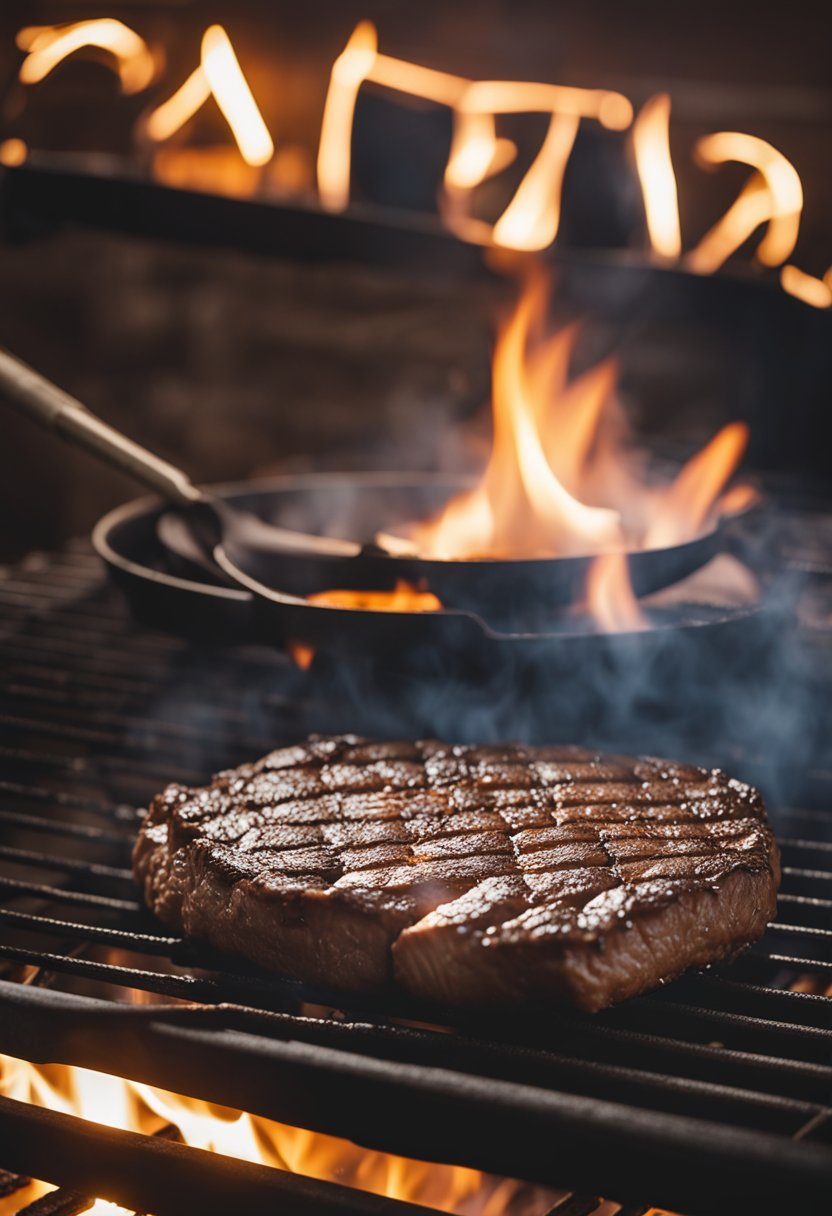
x,y
13,152
49,45
651,144
220,74
405,597
142,1108
772,196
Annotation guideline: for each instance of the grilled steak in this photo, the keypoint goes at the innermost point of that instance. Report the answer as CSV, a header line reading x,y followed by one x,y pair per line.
x,y
469,875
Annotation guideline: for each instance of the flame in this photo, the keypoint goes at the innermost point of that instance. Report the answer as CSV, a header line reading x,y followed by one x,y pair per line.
x,y
520,508
687,506
530,221
219,72
133,1106
562,478
49,45
349,71
610,597
405,597
476,152
817,292
772,196
651,144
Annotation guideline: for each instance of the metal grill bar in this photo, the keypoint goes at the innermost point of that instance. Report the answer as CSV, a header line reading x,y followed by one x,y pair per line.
x,y
146,1173
736,1049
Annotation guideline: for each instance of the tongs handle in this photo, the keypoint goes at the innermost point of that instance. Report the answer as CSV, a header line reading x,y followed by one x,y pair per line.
x,y
39,398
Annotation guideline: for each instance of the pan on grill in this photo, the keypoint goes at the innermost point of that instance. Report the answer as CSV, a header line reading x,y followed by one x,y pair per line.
x,y
306,540
263,598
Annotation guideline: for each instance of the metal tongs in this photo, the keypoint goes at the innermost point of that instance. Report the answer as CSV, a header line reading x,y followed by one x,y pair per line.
x,y
210,521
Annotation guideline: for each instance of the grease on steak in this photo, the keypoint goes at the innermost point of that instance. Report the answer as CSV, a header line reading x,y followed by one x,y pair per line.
x,y
469,875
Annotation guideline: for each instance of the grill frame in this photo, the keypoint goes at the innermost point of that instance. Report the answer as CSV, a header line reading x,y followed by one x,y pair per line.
x,y
88,722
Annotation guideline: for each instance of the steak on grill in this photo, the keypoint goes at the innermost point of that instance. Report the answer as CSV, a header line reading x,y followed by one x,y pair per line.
x,y
468,875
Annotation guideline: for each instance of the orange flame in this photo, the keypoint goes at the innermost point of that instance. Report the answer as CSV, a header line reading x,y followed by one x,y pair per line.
x,y
772,196
219,72
610,597
651,144
142,1108
805,287
562,479
686,507
49,45
520,508
530,221
405,597
349,71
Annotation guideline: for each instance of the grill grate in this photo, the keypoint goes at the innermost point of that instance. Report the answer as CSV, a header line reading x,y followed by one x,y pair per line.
x,y
725,1076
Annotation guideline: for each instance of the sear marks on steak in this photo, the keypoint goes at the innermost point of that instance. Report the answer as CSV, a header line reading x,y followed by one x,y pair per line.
x,y
468,875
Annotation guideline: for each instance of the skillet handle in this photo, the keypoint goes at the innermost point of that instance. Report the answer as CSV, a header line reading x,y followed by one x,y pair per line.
x,y
37,397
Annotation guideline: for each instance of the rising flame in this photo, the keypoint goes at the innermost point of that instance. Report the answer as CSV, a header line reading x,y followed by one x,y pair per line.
x,y
651,145
562,478
558,481
49,45
530,221
219,73
772,196
805,287
142,1108
610,596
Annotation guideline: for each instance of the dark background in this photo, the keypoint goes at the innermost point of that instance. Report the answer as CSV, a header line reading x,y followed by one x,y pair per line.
x,y
235,364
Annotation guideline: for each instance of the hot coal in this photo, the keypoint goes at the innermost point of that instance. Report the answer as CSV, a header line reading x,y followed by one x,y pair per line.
x,y
467,875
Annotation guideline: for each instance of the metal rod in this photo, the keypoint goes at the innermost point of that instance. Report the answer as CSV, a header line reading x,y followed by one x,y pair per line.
x,y
35,396
70,864
62,896
148,1173
482,1122
34,196
146,943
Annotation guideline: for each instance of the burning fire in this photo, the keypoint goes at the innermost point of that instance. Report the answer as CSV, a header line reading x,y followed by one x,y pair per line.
x,y
651,144
219,73
560,480
772,198
530,221
811,290
142,1108
403,598
49,45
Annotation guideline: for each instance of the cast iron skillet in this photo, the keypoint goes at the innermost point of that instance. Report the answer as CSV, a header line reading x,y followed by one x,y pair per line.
x,y
263,600
280,560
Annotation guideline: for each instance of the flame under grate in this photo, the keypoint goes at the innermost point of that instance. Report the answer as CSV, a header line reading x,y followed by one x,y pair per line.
x,y
716,1085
